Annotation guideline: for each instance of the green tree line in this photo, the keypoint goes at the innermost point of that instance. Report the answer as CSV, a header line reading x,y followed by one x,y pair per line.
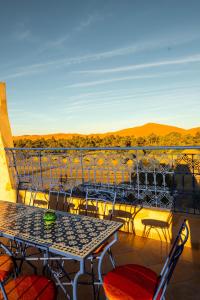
x,y
172,139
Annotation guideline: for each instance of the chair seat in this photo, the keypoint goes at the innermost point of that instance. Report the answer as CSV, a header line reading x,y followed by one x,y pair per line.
x,y
6,266
30,288
130,282
40,202
155,223
86,209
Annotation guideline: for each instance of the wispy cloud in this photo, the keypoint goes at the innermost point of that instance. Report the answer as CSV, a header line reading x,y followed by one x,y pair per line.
x,y
181,61
56,43
104,81
136,47
22,72
118,94
151,101
64,62
60,41
144,46
125,78
91,19
134,92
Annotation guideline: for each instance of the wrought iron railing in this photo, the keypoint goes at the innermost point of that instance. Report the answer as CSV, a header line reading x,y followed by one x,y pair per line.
x,y
165,177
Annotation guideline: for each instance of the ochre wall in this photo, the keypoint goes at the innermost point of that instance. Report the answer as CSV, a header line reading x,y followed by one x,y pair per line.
x,y
6,191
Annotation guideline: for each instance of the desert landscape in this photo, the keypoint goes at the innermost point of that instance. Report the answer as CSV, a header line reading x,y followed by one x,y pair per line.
x,y
150,134
144,130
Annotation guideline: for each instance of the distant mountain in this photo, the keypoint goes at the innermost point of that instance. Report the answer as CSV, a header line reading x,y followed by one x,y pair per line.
x,y
148,129
144,130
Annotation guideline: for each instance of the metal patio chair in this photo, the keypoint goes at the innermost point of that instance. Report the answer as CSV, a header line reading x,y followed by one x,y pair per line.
x,y
163,226
105,200
29,287
126,217
38,198
60,197
96,198
138,282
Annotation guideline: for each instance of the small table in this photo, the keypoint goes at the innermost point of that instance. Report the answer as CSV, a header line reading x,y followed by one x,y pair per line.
x,y
71,236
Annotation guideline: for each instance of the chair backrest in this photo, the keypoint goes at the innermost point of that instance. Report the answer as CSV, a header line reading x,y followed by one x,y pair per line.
x,y
61,196
33,193
104,197
172,260
38,197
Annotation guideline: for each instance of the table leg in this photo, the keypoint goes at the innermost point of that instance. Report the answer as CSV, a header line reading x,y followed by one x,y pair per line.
x,y
75,281
102,256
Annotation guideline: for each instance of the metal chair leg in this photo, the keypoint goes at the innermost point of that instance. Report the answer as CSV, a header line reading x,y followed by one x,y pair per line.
x,y
111,258
93,277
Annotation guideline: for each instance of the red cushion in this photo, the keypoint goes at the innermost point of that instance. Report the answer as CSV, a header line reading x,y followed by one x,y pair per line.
x,y
6,266
130,282
30,288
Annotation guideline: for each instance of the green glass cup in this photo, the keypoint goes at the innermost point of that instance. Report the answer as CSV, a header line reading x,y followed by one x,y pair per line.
x,y
49,217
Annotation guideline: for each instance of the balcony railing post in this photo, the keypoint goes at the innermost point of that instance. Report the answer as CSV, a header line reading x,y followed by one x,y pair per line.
x,y
193,183
173,185
40,164
82,169
15,166
137,175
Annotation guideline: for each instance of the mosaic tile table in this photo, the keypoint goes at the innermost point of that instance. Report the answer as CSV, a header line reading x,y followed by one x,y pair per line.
x,y
71,236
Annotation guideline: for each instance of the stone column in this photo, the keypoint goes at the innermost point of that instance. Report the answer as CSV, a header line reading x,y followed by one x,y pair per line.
x,y
6,190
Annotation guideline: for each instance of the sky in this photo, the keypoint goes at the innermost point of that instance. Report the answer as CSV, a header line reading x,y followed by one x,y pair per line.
x,y
97,66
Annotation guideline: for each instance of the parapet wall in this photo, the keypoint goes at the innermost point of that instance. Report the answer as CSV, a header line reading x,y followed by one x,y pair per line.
x,y
161,225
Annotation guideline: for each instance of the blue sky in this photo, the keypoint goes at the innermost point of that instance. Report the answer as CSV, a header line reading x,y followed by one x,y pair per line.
x,y
95,66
